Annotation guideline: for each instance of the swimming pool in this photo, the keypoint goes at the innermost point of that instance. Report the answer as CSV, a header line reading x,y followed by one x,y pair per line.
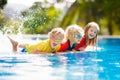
x,y
103,64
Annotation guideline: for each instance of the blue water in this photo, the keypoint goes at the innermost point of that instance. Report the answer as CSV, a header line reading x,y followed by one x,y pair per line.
x,y
103,64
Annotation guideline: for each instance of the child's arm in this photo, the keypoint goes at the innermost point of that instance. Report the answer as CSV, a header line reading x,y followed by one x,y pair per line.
x,y
81,49
80,44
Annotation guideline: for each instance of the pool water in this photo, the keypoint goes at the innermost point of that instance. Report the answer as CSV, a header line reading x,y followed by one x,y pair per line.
x,y
103,64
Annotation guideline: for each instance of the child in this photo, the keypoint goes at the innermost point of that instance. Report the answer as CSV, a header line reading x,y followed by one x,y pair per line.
x,y
73,35
90,37
50,45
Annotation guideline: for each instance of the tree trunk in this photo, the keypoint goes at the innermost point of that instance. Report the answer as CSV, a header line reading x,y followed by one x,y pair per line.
x,y
70,16
110,27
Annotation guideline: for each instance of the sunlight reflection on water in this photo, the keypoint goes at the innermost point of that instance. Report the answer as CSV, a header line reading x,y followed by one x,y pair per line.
x,y
29,67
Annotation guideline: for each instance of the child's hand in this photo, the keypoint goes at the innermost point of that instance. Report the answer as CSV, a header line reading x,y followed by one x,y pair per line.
x,y
81,49
73,50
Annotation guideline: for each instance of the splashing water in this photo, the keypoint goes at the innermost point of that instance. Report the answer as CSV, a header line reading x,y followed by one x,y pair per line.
x,y
5,45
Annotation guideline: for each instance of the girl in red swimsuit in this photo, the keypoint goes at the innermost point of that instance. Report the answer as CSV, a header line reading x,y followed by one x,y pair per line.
x,y
89,38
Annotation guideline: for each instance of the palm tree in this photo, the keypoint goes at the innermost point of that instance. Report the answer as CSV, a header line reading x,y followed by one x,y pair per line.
x,y
2,3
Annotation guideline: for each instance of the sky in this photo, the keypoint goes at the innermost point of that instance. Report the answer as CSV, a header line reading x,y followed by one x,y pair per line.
x,y
25,2
14,7
29,2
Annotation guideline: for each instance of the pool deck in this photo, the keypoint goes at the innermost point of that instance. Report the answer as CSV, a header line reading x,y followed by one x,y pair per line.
x,y
46,36
29,36
108,36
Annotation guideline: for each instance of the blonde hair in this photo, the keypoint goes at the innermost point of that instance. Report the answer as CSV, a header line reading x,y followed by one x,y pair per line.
x,y
56,31
92,41
72,29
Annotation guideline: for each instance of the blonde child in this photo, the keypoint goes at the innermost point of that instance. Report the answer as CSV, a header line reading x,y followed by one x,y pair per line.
x,y
49,45
89,38
73,35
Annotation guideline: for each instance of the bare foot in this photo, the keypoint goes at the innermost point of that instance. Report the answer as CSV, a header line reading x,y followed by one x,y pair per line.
x,y
14,44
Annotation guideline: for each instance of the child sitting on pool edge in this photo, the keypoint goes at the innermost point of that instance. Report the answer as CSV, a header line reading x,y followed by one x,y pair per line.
x,y
73,35
89,38
50,45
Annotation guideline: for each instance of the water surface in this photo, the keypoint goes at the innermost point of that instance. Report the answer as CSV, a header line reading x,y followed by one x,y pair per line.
x,y
103,64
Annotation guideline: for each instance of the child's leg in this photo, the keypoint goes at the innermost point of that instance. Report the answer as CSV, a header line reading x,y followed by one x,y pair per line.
x,y
14,44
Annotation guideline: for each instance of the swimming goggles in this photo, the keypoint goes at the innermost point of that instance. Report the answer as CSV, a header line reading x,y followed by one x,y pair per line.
x,y
78,36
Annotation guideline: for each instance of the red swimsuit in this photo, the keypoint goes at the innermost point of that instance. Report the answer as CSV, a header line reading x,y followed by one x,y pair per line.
x,y
65,46
81,44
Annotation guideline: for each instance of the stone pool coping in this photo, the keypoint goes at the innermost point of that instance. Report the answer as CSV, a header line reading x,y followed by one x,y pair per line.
x,y
46,36
108,36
